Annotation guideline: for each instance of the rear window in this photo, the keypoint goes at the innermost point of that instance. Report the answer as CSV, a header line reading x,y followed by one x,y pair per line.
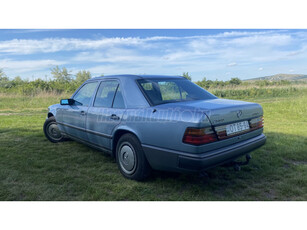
x,y
159,91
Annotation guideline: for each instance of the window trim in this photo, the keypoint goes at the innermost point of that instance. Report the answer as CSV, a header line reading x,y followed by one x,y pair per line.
x,y
114,95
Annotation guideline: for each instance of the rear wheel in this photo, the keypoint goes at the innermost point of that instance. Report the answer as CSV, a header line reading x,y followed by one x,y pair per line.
x,y
52,131
131,159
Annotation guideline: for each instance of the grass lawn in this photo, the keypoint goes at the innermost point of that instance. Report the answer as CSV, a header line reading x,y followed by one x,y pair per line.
x,y
32,168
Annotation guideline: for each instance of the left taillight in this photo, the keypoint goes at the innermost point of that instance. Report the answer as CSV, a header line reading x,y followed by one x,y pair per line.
x,y
199,136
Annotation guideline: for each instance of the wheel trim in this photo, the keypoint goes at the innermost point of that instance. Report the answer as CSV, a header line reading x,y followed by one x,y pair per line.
x,y
53,131
127,158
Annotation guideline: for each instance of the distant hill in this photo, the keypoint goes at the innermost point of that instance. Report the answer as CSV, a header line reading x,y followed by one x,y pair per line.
x,y
282,76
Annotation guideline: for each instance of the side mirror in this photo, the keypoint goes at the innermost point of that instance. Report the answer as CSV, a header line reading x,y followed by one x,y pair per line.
x,y
67,101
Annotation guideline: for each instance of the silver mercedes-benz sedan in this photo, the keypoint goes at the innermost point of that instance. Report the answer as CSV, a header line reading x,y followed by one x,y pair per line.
x,y
156,122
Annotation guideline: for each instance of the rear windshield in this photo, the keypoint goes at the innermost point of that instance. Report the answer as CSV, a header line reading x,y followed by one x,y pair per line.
x,y
160,91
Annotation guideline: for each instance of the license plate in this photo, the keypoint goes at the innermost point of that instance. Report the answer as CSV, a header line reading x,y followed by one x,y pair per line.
x,y
237,127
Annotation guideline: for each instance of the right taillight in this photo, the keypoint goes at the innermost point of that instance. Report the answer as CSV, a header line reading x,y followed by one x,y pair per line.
x,y
199,136
256,123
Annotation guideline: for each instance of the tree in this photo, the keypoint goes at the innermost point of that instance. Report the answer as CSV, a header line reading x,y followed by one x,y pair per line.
x,y
83,75
235,81
17,81
4,80
187,76
2,75
204,83
61,75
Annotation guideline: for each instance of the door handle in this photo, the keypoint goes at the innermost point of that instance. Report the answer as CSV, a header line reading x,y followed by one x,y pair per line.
x,y
114,117
82,113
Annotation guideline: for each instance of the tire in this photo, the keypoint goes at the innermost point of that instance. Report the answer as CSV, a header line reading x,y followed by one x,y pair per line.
x,y
131,159
52,131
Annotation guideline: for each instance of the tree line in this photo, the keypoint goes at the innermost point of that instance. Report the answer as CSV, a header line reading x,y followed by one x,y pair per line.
x,y
64,82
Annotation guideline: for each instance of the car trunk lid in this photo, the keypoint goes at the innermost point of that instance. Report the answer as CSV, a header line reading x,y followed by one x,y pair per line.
x,y
230,118
225,115
223,111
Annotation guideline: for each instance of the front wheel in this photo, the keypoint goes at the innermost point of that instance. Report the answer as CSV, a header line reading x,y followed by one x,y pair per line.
x,y
131,159
52,131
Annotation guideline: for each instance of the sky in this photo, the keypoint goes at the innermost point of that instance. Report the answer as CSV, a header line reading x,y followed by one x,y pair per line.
x,y
214,54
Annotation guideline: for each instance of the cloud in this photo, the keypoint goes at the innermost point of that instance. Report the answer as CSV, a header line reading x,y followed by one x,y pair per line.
x,y
200,43
51,45
112,55
232,64
294,53
245,33
272,40
205,55
28,65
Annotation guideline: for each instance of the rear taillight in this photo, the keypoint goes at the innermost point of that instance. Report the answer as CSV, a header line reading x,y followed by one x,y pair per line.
x,y
199,136
256,123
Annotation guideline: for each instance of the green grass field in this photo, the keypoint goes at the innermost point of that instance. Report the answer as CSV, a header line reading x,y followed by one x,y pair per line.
x,y
32,168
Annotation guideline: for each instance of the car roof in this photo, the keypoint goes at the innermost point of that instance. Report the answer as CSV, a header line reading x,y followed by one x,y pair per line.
x,y
132,76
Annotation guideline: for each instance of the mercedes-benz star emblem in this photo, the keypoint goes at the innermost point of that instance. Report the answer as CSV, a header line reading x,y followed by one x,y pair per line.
x,y
239,113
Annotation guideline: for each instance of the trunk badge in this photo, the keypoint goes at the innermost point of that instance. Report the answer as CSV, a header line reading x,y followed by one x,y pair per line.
x,y
239,113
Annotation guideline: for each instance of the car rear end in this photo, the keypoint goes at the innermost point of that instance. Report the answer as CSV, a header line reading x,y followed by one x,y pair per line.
x,y
206,131
236,129
224,131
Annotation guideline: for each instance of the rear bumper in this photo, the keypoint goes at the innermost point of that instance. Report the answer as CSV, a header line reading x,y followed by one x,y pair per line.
x,y
169,160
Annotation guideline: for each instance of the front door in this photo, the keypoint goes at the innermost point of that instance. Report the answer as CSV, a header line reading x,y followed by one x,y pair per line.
x,y
74,116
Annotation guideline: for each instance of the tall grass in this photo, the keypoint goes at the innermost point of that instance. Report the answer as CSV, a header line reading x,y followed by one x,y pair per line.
x,y
253,91
39,101
230,91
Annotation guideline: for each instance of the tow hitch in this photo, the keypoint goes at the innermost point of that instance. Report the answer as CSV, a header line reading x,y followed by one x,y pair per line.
x,y
237,164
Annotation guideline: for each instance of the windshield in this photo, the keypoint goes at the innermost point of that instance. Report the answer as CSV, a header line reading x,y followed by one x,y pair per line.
x,y
160,91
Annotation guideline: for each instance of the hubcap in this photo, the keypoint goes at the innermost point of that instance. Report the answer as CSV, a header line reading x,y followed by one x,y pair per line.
x,y
127,159
54,132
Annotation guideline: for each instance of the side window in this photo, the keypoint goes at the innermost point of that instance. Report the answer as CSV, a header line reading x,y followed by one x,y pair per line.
x,y
105,94
85,94
119,100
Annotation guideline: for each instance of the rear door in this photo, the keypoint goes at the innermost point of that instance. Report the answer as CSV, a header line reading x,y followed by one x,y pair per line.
x,y
105,113
74,116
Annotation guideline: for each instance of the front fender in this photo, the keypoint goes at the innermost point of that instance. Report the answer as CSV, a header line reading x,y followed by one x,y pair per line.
x,y
52,110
